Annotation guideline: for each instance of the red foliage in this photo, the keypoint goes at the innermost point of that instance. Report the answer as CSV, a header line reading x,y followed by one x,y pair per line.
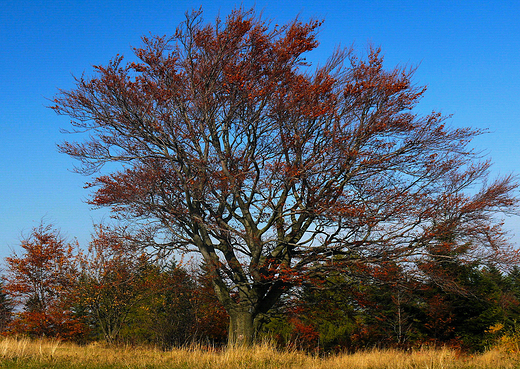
x,y
61,324
303,336
41,282
265,167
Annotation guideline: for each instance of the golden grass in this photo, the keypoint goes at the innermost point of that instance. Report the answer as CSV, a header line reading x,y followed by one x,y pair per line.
x,y
25,353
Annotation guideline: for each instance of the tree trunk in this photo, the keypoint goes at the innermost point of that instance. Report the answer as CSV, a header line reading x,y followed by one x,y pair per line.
x,y
241,328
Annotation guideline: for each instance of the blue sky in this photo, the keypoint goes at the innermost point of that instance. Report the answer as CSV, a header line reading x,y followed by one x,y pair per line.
x,y
467,52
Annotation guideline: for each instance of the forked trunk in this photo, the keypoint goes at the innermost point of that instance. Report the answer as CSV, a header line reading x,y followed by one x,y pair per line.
x,y
241,328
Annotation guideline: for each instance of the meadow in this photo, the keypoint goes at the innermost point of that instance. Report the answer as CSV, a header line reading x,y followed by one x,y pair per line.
x,y
22,353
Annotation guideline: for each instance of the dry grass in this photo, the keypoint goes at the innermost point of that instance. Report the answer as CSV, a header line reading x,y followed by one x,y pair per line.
x,y
24,353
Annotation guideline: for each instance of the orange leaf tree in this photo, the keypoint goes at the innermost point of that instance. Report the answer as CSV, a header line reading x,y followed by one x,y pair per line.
x,y
41,282
243,153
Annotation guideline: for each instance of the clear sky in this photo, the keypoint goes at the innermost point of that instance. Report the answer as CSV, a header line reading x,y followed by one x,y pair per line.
x,y
468,53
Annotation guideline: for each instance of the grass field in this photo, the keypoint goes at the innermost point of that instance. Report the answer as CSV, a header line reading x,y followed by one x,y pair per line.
x,y
24,353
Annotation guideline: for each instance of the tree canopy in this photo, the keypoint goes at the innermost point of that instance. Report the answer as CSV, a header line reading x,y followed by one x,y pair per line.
x,y
235,147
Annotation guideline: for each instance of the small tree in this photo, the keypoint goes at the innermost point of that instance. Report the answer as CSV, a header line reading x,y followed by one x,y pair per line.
x,y
327,313
241,152
41,282
165,316
388,301
111,282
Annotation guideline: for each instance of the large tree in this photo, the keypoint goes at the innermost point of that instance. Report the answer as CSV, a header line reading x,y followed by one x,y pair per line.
x,y
232,146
